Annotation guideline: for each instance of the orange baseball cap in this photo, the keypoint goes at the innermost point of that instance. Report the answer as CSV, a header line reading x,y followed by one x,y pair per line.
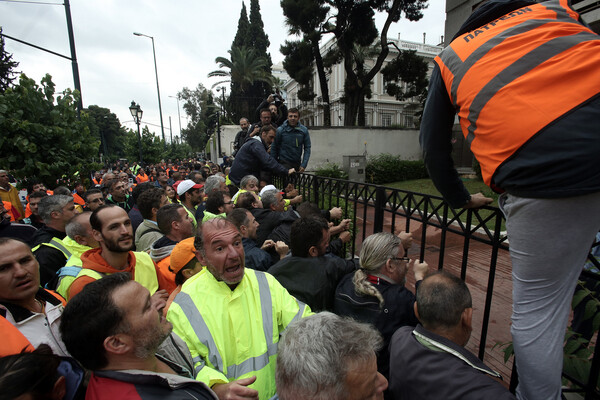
x,y
182,253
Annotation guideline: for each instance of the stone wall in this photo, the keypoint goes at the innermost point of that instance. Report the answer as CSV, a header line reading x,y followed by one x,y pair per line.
x,y
330,145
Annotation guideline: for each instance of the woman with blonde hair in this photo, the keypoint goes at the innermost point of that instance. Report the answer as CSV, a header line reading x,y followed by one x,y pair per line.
x,y
376,294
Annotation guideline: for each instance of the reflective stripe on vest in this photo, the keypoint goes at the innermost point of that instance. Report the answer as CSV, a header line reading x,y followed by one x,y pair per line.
x,y
513,76
202,332
55,244
70,270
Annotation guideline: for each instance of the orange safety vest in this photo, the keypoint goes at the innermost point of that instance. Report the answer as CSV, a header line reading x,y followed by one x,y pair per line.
x,y
13,341
511,77
12,211
77,199
97,182
142,178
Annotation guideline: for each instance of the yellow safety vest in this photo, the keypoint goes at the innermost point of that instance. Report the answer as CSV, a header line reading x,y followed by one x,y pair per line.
x,y
233,334
57,244
68,273
145,272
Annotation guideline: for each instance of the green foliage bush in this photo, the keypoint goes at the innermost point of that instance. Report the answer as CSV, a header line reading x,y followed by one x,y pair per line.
x,y
386,168
40,134
331,170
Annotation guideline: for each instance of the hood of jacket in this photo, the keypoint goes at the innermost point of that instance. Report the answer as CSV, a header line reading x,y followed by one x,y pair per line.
x,y
92,259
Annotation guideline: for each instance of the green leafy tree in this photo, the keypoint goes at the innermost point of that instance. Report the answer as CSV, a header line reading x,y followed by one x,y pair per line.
x,y
244,67
7,67
106,127
198,104
353,25
406,76
307,18
153,147
41,135
179,151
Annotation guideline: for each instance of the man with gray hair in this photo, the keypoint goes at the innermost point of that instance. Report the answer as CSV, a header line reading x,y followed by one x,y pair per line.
x,y
215,183
79,239
430,361
271,215
327,357
48,248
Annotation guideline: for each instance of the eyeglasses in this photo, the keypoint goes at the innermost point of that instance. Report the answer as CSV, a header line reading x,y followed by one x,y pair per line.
x,y
405,259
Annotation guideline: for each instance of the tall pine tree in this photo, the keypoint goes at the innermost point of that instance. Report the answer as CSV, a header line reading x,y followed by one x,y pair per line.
x,y
259,41
236,95
243,30
7,67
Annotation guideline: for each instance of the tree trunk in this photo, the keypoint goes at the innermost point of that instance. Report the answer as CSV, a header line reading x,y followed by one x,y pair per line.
x,y
351,109
322,84
361,110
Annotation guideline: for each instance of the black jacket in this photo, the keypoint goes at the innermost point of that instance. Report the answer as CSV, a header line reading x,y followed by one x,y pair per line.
x,y
240,139
417,372
312,279
18,231
269,220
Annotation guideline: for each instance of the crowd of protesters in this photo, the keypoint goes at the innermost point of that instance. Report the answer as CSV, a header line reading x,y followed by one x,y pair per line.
x,y
169,279
175,280
192,280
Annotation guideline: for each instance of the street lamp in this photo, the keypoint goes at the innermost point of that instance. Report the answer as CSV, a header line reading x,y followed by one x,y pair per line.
x,y
178,114
136,113
222,89
162,127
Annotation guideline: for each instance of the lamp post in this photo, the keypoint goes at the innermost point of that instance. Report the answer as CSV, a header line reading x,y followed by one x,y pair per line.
x,y
136,113
222,89
178,114
162,127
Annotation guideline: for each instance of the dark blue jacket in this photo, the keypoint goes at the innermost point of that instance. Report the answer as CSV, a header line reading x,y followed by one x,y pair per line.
x,y
256,258
251,159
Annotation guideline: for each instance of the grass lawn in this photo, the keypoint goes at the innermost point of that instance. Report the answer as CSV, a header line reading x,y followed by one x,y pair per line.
x,y
426,186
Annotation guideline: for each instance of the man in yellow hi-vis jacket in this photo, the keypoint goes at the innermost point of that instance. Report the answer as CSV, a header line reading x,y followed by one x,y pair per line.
x,y
231,317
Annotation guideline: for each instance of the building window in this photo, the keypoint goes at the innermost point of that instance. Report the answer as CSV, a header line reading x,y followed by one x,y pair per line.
x,y
386,119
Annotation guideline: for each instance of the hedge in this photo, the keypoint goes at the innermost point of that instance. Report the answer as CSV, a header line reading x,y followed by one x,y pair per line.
x,y
386,168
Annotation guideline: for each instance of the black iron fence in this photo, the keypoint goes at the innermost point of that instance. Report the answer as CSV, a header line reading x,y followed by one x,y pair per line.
x,y
481,253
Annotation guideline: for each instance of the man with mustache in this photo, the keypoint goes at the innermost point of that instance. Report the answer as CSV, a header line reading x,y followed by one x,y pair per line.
x,y
34,311
111,227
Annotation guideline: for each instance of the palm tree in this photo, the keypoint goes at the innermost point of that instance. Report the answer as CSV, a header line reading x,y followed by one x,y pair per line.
x,y
243,68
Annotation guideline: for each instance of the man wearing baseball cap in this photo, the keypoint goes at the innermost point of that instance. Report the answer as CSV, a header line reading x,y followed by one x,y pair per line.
x,y
184,265
190,194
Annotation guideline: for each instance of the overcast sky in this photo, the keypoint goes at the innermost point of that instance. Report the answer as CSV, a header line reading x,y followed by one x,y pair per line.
x,y
116,67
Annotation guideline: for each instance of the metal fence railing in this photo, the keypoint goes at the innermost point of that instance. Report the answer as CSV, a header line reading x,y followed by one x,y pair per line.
x,y
480,254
